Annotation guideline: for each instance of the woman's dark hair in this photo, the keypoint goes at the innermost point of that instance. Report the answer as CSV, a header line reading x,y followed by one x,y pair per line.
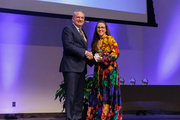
x,y
96,37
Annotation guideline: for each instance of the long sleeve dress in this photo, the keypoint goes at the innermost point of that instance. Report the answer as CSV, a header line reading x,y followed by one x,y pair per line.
x,y
105,97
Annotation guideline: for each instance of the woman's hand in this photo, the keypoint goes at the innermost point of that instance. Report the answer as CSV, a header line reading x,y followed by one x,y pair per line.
x,y
100,59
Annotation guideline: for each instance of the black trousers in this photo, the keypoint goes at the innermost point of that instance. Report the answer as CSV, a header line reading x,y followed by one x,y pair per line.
x,y
74,90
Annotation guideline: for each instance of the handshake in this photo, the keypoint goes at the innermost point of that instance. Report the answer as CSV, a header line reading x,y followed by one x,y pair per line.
x,y
89,55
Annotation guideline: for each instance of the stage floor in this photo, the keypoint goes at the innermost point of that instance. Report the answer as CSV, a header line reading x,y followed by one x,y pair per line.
x,y
126,117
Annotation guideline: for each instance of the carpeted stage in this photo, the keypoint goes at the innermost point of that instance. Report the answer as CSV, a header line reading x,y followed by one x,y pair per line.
x,y
139,102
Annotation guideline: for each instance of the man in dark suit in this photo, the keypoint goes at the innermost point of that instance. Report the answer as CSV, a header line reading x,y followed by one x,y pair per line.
x,y
73,65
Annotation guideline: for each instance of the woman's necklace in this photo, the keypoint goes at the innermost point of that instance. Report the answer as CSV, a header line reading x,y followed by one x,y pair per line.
x,y
99,49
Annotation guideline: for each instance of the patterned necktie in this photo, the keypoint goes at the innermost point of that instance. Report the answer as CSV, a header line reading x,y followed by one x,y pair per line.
x,y
80,31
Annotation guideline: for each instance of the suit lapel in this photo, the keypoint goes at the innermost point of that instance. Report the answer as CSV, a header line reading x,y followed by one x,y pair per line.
x,y
79,35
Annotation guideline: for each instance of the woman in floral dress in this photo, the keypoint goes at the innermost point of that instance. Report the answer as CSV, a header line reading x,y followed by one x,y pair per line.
x,y
105,97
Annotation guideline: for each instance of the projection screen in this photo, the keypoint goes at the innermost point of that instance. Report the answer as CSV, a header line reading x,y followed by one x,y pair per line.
x,y
116,11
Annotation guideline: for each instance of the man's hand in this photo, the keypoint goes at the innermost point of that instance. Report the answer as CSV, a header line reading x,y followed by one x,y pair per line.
x,y
89,55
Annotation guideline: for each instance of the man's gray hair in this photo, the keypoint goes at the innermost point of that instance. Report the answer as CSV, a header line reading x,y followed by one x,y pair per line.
x,y
77,11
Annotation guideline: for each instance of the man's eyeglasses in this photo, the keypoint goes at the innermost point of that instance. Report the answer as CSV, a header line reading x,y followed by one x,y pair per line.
x,y
100,27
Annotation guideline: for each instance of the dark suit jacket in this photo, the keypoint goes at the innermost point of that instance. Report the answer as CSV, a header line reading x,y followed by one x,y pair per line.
x,y
73,59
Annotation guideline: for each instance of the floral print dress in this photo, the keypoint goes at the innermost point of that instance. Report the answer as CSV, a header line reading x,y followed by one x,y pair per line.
x,y
105,97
